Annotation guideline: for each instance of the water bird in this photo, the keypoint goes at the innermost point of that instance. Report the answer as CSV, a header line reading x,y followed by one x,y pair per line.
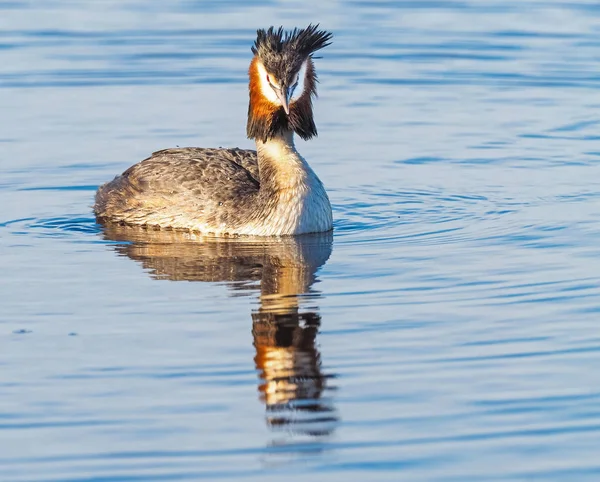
x,y
268,192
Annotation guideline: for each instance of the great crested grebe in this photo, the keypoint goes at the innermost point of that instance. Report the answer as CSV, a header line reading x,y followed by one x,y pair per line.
x,y
268,192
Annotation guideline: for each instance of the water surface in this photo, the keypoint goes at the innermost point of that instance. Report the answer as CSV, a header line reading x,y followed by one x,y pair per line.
x,y
446,331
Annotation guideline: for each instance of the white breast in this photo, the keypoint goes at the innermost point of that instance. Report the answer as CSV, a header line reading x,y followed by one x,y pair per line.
x,y
302,205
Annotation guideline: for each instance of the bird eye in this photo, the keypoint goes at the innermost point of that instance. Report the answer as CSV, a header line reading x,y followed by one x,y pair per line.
x,y
272,82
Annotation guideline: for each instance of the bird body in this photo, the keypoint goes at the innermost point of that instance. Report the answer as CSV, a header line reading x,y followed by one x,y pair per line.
x,y
268,192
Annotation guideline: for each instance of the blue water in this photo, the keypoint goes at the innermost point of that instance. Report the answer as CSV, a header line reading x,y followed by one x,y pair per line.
x,y
447,331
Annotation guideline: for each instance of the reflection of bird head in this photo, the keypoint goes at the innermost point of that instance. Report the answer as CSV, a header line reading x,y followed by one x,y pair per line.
x,y
285,348
283,82
290,368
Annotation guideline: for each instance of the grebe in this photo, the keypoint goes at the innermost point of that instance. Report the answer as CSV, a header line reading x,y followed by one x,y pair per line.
x,y
268,192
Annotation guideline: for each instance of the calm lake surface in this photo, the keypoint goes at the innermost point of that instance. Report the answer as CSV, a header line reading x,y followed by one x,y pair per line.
x,y
448,330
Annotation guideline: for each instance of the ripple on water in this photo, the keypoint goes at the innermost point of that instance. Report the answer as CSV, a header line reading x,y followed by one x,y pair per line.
x,y
55,227
427,217
435,217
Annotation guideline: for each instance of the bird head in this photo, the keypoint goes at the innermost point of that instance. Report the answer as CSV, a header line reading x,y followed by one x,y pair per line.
x,y
283,81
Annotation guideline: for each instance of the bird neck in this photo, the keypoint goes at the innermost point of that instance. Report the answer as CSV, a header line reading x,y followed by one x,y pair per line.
x,y
291,198
280,165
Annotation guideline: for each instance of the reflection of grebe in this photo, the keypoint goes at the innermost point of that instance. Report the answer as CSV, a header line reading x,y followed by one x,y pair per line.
x,y
286,356
293,386
268,192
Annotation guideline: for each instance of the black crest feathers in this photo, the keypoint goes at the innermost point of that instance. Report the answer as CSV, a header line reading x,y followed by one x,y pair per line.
x,y
303,42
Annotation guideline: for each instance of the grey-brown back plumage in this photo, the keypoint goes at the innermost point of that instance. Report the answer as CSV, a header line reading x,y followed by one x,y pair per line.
x,y
214,183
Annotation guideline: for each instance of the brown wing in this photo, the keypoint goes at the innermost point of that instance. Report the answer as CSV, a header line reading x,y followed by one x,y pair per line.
x,y
178,180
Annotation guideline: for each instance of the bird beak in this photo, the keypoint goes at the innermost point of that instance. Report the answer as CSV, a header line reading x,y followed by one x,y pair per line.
x,y
284,94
